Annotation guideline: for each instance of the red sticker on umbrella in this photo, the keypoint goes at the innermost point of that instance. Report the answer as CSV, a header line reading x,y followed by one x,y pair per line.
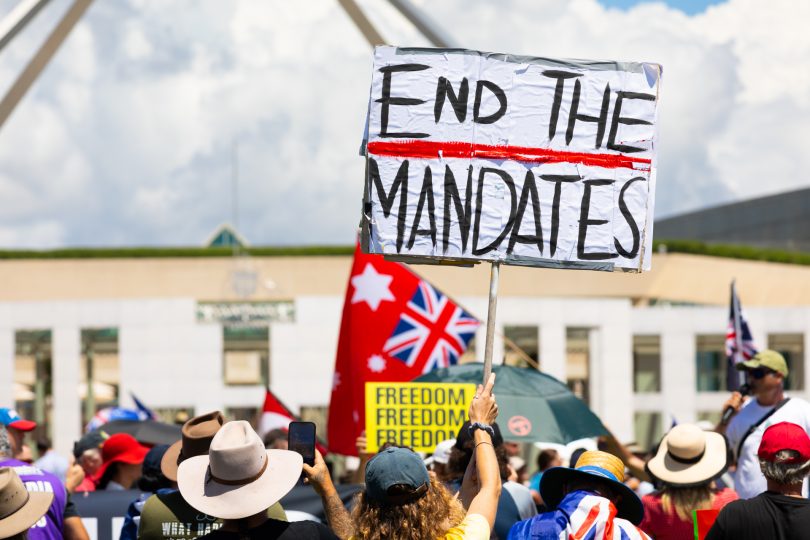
x,y
519,425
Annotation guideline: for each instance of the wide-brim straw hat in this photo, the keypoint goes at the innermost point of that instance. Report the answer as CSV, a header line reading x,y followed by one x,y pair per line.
x,y
196,436
689,456
19,507
599,467
238,478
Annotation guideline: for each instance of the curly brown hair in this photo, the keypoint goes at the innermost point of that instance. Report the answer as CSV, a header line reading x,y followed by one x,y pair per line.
x,y
426,518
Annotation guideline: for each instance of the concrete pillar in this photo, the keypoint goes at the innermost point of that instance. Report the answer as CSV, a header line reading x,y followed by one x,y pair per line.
x,y
6,367
678,375
611,376
552,350
66,418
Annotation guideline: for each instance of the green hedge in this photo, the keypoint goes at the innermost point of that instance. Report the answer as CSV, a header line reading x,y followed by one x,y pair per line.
x,y
672,246
733,251
165,252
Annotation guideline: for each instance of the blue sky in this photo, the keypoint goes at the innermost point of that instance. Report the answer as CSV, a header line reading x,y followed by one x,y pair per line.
x,y
126,138
690,7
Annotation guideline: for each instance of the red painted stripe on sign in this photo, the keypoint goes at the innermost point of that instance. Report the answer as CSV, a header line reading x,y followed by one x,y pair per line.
x,y
433,149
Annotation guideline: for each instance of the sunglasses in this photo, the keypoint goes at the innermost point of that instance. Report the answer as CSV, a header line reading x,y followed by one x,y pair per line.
x,y
759,373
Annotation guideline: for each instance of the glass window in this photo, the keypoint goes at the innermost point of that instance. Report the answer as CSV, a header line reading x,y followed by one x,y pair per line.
x,y
646,364
578,350
469,354
99,370
792,348
712,417
246,355
527,339
32,375
647,428
710,363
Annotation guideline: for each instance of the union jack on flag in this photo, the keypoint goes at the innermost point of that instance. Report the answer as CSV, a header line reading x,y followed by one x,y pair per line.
x,y
738,348
432,331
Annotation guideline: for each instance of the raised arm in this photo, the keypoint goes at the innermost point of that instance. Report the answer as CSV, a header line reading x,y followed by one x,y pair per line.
x,y
336,514
483,410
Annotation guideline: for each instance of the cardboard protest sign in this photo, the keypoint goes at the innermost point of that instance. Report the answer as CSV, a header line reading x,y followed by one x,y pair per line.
x,y
418,415
532,161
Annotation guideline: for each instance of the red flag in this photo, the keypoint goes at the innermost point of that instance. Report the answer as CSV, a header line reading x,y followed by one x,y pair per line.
x,y
277,416
703,521
395,327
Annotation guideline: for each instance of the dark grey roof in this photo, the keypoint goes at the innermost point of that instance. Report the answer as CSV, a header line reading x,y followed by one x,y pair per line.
x,y
779,221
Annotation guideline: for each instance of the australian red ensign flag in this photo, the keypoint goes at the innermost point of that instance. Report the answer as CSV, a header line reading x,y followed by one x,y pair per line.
x,y
396,326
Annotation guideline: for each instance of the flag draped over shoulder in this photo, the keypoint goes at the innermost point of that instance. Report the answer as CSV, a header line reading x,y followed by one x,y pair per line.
x,y
740,344
396,326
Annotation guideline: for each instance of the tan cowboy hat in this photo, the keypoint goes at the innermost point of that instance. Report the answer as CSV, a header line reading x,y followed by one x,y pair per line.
x,y
689,456
196,436
238,478
19,508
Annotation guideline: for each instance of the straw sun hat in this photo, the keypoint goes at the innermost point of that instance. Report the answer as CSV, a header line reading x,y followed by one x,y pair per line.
x,y
19,508
598,467
238,477
689,456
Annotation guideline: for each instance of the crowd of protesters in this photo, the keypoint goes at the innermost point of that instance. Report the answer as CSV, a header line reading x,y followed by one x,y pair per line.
x,y
222,481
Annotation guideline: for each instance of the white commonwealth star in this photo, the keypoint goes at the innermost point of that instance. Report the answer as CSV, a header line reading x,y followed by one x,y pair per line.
x,y
371,287
376,363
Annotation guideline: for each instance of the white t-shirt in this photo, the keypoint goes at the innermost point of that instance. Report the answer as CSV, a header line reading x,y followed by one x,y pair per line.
x,y
748,479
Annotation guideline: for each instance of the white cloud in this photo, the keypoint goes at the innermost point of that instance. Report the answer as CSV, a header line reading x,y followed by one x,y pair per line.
x,y
126,138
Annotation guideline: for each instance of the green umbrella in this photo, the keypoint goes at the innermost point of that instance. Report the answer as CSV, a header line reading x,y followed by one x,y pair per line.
x,y
532,406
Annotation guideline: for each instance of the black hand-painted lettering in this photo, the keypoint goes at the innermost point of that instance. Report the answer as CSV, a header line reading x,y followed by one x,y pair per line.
x,y
425,194
529,190
619,119
464,213
558,180
387,200
479,199
630,222
601,120
386,100
561,76
584,222
499,95
458,102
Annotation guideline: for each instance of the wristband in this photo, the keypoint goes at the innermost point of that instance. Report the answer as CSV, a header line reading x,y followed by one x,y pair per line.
x,y
483,427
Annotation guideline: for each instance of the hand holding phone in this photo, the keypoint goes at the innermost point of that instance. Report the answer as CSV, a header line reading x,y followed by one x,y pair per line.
x,y
301,439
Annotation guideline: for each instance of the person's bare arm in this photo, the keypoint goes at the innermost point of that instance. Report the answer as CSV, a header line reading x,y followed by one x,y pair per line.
x,y
74,477
484,409
73,529
359,475
633,462
336,514
735,402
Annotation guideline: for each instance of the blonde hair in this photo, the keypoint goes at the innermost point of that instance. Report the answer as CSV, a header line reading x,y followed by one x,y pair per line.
x,y
685,500
426,518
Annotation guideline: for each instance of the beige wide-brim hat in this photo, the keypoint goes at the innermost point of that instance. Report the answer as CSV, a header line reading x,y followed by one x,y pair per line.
x,y
238,478
19,507
689,456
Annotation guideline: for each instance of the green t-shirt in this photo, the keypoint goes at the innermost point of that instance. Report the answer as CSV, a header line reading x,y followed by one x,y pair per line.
x,y
167,516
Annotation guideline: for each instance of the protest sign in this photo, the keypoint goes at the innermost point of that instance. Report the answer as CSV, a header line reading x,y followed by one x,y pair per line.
x,y
417,415
532,161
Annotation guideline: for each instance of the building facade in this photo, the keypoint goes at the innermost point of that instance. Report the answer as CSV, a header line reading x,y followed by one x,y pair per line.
x,y
198,334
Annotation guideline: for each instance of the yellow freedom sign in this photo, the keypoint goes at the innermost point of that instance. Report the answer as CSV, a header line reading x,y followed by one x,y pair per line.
x,y
417,415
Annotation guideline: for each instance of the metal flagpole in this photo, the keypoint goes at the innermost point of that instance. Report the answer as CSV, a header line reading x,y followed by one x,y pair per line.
x,y
493,307
738,354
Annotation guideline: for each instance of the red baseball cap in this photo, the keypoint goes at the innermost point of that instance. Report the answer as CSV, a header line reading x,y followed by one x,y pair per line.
x,y
784,436
10,418
121,448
